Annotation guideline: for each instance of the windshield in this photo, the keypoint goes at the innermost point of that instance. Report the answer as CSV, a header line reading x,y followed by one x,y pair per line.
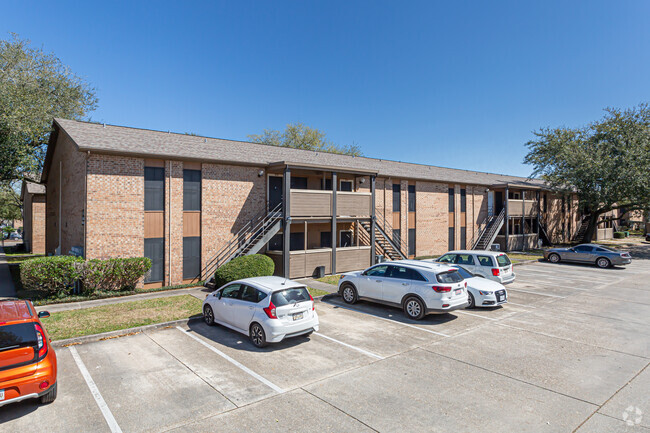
x,y
464,272
449,277
290,296
18,335
503,260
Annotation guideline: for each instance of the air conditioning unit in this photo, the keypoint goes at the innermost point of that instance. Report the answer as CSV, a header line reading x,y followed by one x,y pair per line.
x,y
495,247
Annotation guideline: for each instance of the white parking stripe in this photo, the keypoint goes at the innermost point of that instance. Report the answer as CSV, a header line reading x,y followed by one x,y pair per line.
x,y
520,305
393,321
476,315
535,293
232,361
358,349
108,415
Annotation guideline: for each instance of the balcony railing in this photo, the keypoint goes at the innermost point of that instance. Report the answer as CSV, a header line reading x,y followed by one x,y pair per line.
x,y
316,203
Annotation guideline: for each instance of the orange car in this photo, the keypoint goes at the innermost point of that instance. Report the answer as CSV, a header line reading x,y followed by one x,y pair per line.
x,y
27,360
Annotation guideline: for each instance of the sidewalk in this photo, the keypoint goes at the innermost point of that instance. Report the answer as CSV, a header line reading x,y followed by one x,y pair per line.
x,y
7,289
197,292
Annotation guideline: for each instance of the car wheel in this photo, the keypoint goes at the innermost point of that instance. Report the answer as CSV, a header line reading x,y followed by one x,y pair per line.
x,y
470,299
349,294
257,335
50,396
603,262
208,315
554,258
414,308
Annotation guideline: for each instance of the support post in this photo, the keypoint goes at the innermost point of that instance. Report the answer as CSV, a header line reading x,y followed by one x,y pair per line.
x,y
372,221
334,189
523,220
286,218
507,220
539,210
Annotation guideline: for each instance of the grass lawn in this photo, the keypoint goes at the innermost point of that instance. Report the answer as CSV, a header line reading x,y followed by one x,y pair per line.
x,y
330,279
317,292
88,321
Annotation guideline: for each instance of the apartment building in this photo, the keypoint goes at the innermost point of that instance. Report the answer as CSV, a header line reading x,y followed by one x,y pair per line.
x,y
32,196
192,203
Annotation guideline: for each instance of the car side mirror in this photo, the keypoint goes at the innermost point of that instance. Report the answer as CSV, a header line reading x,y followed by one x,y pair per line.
x,y
43,314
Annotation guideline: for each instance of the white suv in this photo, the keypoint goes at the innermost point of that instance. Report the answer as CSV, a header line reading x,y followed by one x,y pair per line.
x,y
267,309
417,287
487,264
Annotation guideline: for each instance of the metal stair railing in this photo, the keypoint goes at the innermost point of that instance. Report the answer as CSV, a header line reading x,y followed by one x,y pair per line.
x,y
394,250
490,232
242,240
385,228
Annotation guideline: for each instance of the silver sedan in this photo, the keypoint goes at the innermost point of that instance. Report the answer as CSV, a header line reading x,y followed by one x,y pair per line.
x,y
588,253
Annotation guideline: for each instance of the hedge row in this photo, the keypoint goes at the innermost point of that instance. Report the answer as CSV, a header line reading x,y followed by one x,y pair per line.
x,y
57,275
255,265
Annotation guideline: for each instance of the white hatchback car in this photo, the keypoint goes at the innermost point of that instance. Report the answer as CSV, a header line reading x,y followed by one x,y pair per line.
x,y
267,309
492,265
482,292
417,287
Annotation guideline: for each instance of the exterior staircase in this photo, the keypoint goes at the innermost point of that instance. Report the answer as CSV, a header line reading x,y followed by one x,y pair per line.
x,y
489,231
582,229
250,239
393,249
543,235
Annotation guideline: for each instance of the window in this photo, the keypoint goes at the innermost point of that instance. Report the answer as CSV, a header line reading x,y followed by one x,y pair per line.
x,y
326,239
464,272
290,296
503,260
463,200
345,238
463,238
298,182
154,249
449,277
451,239
397,192
191,257
377,271
485,261
297,241
450,192
17,335
404,273
411,194
231,291
191,190
327,184
251,294
346,185
464,259
411,242
397,237
583,248
447,258
275,244
154,188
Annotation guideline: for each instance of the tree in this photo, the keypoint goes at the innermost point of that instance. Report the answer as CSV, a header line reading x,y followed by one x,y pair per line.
x,y
606,163
9,204
34,88
301,136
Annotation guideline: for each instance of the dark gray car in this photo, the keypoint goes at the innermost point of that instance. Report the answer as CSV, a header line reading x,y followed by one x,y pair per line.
x,y
588,253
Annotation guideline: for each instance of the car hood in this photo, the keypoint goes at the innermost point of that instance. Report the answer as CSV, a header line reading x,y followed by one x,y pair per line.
x,y
484,284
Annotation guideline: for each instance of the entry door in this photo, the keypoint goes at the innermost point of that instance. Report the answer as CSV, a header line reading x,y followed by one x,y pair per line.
x,y
490,203
275,191
498,205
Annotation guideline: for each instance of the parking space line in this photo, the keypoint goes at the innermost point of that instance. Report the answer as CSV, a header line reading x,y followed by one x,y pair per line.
x,y
392,321
536,293
358,349
476,315
108,415
233,362
520,305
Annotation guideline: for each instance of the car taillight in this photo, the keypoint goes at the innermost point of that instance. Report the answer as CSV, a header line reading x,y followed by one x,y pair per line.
x,y
441,289
465,284
270,311
313,304
40,336
496,272
342,276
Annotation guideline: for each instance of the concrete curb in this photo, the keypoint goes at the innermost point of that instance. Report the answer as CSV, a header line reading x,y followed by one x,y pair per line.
x,y
528,262
121,332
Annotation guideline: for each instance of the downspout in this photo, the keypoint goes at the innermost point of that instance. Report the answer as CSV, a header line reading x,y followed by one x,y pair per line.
x,y
60,247
169,227
85,214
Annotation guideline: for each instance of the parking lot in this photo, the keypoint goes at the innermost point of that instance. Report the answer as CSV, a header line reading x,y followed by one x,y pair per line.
x,y
569,352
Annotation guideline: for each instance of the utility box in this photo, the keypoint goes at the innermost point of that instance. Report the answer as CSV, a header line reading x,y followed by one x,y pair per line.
x,y
319,272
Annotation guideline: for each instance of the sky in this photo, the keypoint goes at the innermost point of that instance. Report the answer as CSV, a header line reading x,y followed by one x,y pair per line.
x,y
455,84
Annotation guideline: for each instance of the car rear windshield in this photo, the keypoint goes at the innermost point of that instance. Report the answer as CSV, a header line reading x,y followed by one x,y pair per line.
x,y
18,335
449,277
503,260
465,273
290,296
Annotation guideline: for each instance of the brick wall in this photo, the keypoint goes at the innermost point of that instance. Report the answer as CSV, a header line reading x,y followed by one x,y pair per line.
x,y
115,207
173,221
432,218
38,224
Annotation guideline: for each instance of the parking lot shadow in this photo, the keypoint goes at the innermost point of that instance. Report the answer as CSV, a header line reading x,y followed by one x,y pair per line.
x,y
235,340
388,312
14,411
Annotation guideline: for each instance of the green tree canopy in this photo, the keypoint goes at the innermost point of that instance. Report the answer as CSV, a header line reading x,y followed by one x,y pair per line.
x,y
34,88
606,163
9,204
301,136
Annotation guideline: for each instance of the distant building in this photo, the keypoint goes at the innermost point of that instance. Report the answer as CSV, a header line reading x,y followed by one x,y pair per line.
x,y
32,196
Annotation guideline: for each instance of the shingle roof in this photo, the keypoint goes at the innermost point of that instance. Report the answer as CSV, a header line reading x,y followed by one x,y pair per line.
x,y
157,144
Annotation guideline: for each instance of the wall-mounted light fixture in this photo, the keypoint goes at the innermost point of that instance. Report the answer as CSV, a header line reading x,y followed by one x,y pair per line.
x,y
362,180
260,173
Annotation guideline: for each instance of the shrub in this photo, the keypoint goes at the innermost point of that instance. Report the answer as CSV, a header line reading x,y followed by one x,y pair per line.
x,y
113,274
619,235
55,274
255,265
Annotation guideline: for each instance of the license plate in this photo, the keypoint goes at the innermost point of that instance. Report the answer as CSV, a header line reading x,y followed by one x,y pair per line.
x,y
505,271
458,291
500,298
2,394
297,316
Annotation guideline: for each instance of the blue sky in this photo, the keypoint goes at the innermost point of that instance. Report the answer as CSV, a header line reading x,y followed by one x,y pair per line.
x,y
456,84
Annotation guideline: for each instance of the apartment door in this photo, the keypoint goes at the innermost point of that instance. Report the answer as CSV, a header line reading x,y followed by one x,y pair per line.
x,y
490,203
498,202
275,191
